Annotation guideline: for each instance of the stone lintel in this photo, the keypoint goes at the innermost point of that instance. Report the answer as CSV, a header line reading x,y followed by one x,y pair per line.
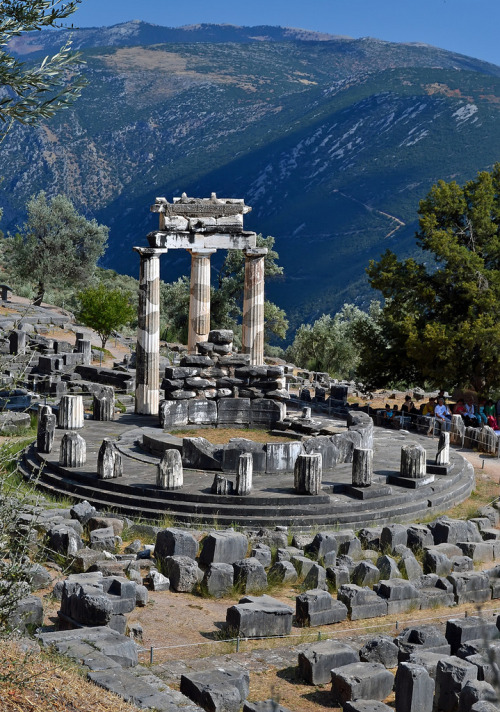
x,y
256,252
196,207
189,240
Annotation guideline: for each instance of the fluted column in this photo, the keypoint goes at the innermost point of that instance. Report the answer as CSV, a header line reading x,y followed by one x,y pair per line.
x,y
199,302
148,332
253,305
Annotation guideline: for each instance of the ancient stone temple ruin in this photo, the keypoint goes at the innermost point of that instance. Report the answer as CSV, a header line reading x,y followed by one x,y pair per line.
x,y
201,226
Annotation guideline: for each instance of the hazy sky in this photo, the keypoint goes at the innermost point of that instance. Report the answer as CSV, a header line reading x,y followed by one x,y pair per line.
x,y
470,27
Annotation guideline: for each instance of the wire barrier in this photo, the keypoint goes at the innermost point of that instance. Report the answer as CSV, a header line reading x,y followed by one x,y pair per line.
x,y
316,635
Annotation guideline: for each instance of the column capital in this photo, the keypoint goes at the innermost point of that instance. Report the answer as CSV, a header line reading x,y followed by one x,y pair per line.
x,y
150,251
203,251
256,252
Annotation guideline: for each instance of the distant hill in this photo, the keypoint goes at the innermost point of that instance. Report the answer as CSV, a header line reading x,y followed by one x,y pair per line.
x,y
333,141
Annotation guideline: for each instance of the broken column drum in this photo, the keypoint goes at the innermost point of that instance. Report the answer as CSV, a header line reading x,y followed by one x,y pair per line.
x,y
253,305
70,415
46,427
84,346
170,475
443,452
73,452
413,461
244,474
103,404
199,302
362,467
109,461
307,473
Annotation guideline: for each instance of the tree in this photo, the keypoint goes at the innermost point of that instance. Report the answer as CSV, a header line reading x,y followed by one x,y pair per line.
x,y
57,246
36,91
331,344
104,310
226,297
443,315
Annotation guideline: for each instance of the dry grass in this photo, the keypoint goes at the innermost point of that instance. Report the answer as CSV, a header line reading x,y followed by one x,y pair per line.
x,y
42,682
221,436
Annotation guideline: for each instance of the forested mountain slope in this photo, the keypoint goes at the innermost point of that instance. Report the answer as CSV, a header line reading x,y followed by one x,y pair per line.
x,y
333,141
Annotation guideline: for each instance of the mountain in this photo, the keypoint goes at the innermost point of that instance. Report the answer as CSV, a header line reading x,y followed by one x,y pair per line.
x,y
332,140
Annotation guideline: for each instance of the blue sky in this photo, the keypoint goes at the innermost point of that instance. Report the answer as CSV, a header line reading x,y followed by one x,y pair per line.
x,y
467,26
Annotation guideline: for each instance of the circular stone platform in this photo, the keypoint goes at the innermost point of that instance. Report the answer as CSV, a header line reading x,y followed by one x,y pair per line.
x,y
272,501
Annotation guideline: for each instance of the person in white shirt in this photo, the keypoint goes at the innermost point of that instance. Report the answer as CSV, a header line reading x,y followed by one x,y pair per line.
x,y
443,414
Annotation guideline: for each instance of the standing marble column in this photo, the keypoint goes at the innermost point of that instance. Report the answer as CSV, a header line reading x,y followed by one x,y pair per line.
x,y
253,305
199,302
148,332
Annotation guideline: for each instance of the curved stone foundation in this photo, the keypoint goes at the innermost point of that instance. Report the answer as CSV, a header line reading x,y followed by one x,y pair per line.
x,y
272,499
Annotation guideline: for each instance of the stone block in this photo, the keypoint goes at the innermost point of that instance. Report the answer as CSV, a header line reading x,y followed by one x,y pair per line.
x,y
362,602
281,457
370,537
317,607
452,674
470,587
223,547
175,542
182,572
365,574
218,580
263,554
436,562
419,537
414,688
233,411
103,539
416,639
479,552
26,615
392,535
266,412
338,576
302,564
369,681
256,616
202,412
249,575
216,690
474,692
451,531
388,568
265,706
380,649
83,511
282,572
173,414
316,578
462,630
401,595
317,660
200,454
366,706
410,568
237,446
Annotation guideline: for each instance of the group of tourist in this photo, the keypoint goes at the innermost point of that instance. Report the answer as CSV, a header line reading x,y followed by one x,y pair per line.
x,y
437,412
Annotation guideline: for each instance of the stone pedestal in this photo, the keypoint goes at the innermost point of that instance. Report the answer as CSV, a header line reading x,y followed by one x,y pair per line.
x,y
244,474
443,452
46,426
221,485
84,346
170,475
73,452
103,404
148,332
307,473
17,342
413,461
306,413
109,461
362,467
253,305
199,302
70,415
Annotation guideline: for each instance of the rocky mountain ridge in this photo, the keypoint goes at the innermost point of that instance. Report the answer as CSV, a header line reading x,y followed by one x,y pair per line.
x,y
332,141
